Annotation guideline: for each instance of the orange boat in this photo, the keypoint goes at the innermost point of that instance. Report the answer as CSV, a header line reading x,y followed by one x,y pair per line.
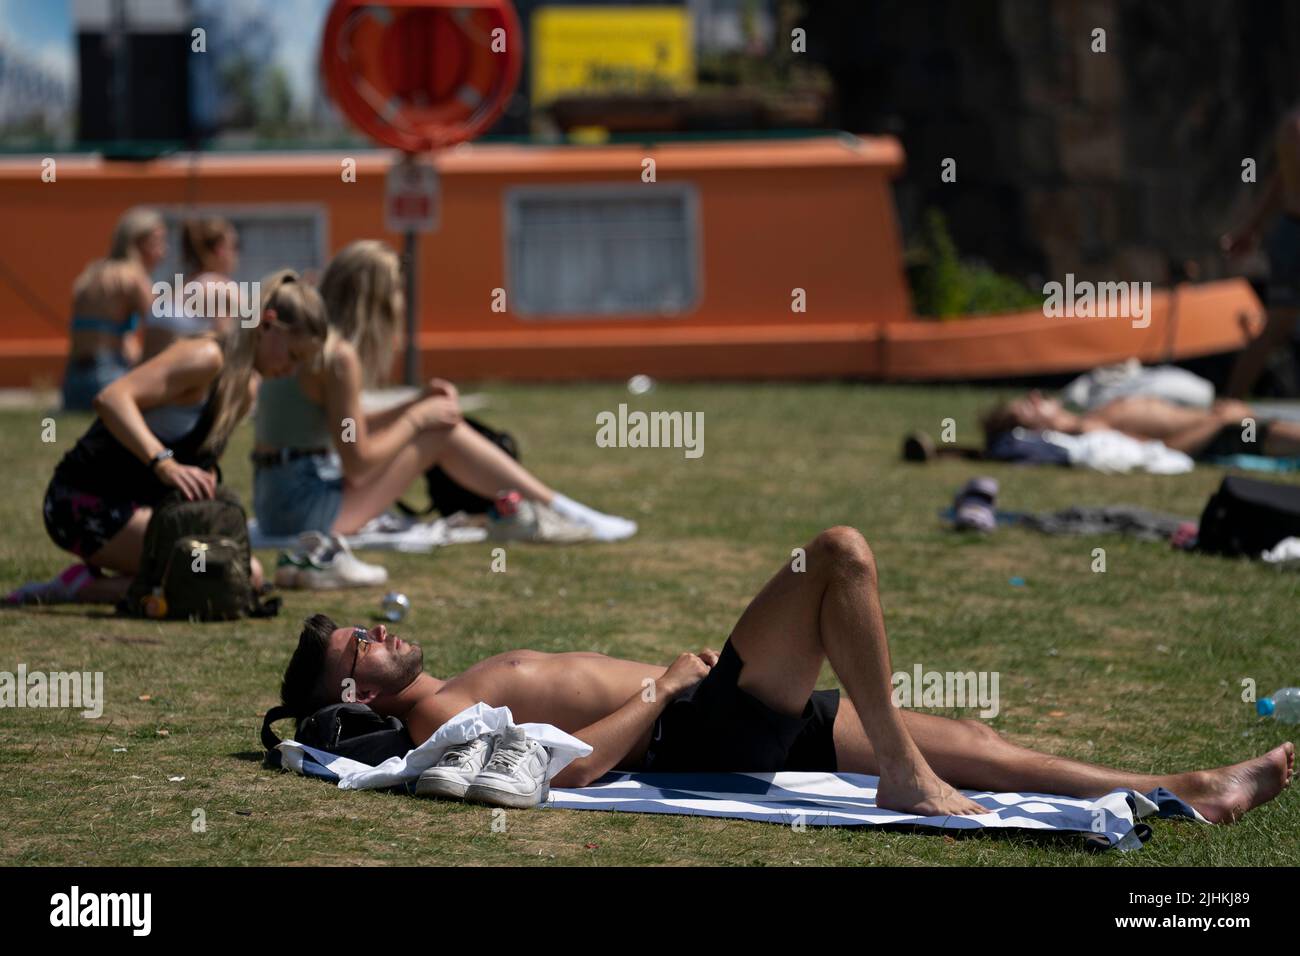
x,y
720,260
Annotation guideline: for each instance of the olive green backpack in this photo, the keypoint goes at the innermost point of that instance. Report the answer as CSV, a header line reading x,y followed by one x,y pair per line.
x,y
197,563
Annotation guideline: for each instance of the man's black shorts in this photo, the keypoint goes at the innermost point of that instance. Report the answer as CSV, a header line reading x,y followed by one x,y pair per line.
x,y
718,727
1228,441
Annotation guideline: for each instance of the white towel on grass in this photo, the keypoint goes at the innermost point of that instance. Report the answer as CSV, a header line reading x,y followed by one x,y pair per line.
x,y
1284,554
788,798
470,724
849,799
388,532
1112,452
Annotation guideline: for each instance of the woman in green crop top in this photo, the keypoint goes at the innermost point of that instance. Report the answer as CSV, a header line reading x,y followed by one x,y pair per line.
x,y
324,464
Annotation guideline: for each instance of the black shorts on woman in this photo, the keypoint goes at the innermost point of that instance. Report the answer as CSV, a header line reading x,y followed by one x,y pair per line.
x,y
99,484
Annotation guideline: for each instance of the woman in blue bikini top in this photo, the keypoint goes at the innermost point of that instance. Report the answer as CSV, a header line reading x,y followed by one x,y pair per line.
x,y
108,299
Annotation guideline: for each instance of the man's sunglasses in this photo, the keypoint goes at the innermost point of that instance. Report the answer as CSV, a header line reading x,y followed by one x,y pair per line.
x,y
364,640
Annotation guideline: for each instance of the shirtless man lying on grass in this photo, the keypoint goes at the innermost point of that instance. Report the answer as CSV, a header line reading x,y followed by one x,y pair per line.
x,y
752,707
1199,432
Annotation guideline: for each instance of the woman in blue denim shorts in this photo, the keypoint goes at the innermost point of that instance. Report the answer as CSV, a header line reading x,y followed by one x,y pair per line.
x,y
323,464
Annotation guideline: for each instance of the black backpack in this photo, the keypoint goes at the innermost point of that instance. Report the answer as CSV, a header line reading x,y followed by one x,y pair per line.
x,y
446,496
1246,516
196,563
345,730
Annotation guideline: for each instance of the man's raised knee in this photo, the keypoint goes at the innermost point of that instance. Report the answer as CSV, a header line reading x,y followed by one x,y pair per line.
x,y
981,728
845,549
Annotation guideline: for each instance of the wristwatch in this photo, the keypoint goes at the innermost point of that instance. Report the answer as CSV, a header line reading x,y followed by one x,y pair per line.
x,y
162,456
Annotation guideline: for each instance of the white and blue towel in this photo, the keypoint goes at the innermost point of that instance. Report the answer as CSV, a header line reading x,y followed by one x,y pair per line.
x,y
788,798
849,800
388,532
471,723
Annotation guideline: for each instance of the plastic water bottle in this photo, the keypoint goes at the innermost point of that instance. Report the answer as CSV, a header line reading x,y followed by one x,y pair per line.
x,y
1284,705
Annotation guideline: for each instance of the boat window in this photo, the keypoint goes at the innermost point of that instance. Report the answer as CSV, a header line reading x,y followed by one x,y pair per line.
x,y
601,250
270,238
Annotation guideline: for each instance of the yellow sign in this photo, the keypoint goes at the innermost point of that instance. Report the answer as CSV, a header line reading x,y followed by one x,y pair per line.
x,y
611,50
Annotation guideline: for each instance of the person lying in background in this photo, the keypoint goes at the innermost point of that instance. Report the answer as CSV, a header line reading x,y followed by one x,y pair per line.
x,y
324,464
108,299
210,250
1222,429
750,708
163,426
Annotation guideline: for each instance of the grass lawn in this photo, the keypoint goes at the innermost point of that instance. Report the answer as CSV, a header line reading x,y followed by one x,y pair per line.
x,y
1139,667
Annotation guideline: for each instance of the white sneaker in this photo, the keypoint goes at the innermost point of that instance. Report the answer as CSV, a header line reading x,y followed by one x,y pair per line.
x,y
329,565
534,521
452,775
515,775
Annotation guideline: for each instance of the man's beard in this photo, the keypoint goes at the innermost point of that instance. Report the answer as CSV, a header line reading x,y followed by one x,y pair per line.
x,y
406,668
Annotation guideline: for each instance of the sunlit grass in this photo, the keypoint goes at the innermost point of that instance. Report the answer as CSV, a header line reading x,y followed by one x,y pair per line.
x,y
1139,667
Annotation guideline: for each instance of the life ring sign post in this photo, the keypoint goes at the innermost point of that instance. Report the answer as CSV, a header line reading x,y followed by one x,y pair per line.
x,y
418,76
411,198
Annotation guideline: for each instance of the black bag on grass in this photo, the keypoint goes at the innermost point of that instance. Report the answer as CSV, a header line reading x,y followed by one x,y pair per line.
x,y
196,563
1246,516
446,496
345,730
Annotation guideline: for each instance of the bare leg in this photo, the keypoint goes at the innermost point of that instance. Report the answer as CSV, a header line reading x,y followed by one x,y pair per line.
x,y
1283,439
110,590
972,755
463,453
375,492
1283,436
105,590
832,611
835,603
122,551
1196,428
485,469
1194,440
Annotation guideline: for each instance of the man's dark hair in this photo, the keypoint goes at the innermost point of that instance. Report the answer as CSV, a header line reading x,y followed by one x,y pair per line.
x,y
999,420
301,690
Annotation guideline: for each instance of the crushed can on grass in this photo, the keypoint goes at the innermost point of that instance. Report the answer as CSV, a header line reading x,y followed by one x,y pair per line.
x,y
395,606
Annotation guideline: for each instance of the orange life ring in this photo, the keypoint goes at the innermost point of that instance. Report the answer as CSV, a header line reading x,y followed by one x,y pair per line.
x,y
420,74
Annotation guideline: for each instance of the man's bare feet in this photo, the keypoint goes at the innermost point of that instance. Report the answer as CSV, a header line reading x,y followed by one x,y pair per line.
x,y
924,794
1225,794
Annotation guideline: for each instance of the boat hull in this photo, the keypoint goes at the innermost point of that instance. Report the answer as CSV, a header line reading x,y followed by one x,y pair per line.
x,y
797,259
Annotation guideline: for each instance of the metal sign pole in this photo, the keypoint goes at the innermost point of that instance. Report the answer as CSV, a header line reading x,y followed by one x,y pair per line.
x,y
411,207
412,266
